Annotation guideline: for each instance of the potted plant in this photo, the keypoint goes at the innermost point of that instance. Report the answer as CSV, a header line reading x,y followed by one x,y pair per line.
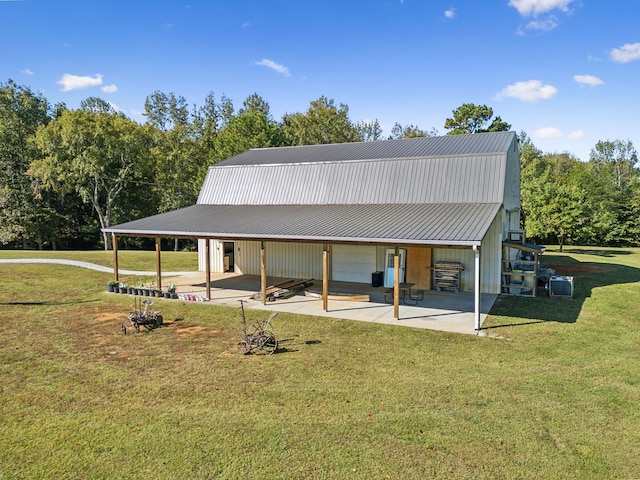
x,y
111,286
172,292
122,288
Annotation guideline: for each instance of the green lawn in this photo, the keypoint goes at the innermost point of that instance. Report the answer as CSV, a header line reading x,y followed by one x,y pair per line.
x,y
551,392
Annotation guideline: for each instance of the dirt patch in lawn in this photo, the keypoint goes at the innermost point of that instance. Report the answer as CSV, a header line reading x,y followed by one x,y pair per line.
x,y
568,269
194,330
110,317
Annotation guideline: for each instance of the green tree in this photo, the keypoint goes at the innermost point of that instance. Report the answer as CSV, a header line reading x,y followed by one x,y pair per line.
x,y
255,103
410,131
164,111
322,123
555,204
91,154
247,130
22,216
369,131
615,187
471,118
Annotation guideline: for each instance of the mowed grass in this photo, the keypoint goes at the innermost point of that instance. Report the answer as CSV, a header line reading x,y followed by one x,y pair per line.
x,y
552,391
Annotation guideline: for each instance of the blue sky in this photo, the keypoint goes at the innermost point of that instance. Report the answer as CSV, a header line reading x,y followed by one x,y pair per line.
x,y
567,72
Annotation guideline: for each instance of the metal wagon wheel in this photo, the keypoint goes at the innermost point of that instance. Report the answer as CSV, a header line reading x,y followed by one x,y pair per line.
x,y
267,342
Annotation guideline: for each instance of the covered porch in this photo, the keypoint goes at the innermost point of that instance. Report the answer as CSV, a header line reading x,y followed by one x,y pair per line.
x,y
443,311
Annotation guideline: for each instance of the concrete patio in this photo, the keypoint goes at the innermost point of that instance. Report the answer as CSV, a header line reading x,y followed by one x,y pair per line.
x,y
444,311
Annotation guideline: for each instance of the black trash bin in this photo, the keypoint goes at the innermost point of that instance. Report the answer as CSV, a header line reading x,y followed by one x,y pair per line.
x,y
377,279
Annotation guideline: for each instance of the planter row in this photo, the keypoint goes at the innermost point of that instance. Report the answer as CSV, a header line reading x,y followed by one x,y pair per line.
x,y
146,292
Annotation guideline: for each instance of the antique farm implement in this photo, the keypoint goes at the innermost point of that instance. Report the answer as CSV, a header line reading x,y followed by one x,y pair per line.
x,y
258,336
141,316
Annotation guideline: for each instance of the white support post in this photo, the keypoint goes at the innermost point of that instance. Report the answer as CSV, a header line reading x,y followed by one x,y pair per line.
x,y
476,251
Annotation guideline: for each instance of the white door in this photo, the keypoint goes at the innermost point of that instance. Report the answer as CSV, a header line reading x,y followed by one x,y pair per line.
x,y
389,266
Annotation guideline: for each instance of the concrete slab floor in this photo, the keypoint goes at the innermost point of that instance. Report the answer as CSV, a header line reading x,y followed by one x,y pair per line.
x,y
443,311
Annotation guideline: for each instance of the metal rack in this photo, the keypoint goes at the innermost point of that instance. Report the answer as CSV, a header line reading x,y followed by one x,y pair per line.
x,y
520,275
446,276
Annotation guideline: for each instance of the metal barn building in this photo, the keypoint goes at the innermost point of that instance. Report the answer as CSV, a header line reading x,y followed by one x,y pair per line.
x,y
344,211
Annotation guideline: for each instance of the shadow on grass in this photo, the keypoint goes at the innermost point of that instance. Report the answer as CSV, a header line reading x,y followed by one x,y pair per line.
x,y
69,302
597,252
586,277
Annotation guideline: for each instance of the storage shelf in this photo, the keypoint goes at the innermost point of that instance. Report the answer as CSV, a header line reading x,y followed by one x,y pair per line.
x,y
446,276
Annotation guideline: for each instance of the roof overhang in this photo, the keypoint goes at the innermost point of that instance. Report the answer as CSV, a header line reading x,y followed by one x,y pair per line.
x,y
460,224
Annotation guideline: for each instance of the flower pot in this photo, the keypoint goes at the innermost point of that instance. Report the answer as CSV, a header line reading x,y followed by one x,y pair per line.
x,y
167,295
122,289
110,287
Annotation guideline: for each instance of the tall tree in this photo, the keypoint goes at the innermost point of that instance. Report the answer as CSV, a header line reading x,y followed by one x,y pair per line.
x,y
164,111
322,123
21,113
410,131
91,154
247,130
555,204
255,103
369,131
616,162
614,189
471,118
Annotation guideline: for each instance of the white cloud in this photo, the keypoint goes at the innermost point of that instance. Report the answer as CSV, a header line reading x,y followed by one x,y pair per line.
x,y
548,132
451,13
110,88
529,91
545,25
626,53
528,8
587,80
274,66
246,25
26,71
577,135
74,82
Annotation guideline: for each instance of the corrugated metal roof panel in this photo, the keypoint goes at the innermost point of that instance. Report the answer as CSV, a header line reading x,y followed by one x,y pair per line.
x,y
437,224
478,143
461,179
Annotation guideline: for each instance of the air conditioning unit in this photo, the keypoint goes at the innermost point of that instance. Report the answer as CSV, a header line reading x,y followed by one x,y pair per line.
x,y
561,286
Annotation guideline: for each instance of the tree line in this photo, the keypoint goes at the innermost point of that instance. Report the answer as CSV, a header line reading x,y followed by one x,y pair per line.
x,y
68,173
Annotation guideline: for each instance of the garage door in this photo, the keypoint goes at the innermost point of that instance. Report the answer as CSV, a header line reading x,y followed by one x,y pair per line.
x,y
353,263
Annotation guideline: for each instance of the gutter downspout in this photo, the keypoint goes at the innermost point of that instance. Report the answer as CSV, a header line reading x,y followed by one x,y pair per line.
x,y
476,251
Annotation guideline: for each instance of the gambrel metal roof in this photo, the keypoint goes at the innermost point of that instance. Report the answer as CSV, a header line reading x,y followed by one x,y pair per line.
x,y
458,145
433,190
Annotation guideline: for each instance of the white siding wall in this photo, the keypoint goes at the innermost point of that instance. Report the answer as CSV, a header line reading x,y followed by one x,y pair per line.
x,y
461,255
490,260
295,260
491,257
353,263
217,254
